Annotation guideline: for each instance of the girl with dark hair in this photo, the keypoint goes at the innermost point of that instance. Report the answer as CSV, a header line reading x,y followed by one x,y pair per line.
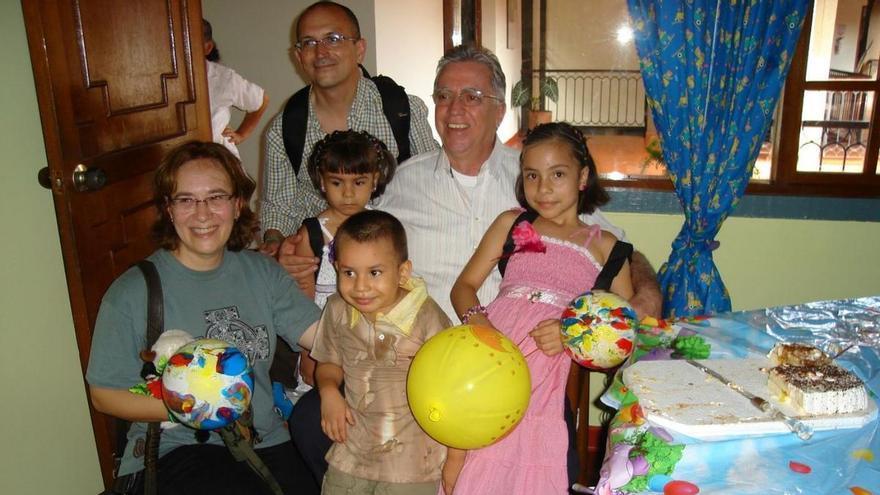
x,y
350,168
556,258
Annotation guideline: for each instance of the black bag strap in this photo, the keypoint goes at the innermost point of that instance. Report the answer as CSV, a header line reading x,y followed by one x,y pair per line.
x,y
155,326
316,239
293,127
509,244
621,252
395,106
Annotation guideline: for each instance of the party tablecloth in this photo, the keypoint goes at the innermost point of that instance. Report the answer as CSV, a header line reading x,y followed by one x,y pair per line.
x,y
645,458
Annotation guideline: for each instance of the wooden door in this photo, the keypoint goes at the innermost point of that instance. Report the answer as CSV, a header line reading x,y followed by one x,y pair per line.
x,y
118,84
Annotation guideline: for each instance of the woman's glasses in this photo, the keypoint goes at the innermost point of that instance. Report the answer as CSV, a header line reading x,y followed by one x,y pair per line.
x,y
216,203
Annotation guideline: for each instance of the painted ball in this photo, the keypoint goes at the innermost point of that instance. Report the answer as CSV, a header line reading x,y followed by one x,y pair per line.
x,y
468,386
207,384
598,329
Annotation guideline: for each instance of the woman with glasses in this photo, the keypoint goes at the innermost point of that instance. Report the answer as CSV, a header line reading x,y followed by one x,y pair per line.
x,y
212,287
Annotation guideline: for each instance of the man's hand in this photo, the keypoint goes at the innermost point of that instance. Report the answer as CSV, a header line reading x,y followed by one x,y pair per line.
x,y
272,240
335,415
301,268
548,337
646,300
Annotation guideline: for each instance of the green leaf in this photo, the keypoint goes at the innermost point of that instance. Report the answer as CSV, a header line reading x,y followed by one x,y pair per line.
x,y
520,94
550,89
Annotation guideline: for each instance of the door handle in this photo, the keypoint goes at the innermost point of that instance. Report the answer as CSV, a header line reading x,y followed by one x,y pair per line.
x,y
88,179
44,178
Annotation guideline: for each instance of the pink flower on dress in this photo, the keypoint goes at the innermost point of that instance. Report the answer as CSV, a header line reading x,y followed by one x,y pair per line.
x,y
526,239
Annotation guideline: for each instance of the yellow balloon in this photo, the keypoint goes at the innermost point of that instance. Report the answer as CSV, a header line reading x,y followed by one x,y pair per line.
x,y
468,386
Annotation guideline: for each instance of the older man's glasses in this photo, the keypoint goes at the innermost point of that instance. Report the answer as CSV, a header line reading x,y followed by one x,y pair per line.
x,y
217,203
470,97
332,40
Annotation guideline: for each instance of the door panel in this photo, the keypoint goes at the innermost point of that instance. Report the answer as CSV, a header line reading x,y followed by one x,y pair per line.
x,y
118,84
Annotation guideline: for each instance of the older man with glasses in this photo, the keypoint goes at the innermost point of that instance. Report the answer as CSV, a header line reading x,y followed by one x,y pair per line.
x,y
329,49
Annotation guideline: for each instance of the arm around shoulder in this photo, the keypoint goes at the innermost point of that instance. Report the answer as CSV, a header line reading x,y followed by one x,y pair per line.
x,y
647,299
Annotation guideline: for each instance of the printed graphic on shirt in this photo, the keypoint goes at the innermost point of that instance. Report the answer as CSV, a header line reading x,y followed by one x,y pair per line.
x,y
224,324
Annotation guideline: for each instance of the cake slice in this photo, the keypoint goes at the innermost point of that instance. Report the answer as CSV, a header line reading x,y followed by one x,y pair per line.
x,y
818,389
798,355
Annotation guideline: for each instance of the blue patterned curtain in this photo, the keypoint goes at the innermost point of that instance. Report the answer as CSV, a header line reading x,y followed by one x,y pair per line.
x,y
713,71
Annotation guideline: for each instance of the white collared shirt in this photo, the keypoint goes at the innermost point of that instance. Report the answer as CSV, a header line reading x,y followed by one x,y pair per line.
x,y
445,222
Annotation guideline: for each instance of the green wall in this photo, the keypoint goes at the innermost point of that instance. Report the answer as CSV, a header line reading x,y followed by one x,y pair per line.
x,y
771,262
47,444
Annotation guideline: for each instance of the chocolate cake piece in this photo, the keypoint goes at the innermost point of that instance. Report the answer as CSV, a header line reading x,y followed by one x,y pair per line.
x,y
818,389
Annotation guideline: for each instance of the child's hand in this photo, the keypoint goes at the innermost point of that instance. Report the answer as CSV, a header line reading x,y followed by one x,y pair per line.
x,y
548,337
232,136
451,469
335,413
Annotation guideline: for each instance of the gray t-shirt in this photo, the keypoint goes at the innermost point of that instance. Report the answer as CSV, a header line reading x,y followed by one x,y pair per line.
x,y
247,301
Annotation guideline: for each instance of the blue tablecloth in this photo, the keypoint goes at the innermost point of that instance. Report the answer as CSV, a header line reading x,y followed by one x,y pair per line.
x,y
841,461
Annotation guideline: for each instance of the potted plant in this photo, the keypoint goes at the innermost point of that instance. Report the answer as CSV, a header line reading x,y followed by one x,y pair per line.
x,y
523,95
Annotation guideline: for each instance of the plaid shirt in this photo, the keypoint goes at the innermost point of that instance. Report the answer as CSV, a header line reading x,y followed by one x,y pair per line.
x,y
286,200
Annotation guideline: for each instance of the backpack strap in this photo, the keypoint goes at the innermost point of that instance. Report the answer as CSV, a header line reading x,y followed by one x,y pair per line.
x,y
316,239
155,325
509,244
621,252
293,127
395,106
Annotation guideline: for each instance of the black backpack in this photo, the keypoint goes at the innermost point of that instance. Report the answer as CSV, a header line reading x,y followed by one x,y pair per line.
x,y
621,252
395,106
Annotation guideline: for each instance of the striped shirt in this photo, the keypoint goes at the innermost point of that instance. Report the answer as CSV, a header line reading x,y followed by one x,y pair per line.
x,y
445,222
285,200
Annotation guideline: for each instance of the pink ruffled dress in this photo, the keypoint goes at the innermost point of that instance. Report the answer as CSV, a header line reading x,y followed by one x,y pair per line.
x,y
537,286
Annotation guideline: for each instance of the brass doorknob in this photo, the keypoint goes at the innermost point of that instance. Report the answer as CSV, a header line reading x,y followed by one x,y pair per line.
x,y
88,179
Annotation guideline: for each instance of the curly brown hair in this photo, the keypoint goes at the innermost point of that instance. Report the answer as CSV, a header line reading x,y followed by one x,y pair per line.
x,y
165,183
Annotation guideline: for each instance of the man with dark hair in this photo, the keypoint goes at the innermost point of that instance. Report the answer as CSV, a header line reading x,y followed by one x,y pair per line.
x,y
329,49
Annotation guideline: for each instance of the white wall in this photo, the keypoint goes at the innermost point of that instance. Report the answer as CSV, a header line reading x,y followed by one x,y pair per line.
x,y
495,32
583,35
408,44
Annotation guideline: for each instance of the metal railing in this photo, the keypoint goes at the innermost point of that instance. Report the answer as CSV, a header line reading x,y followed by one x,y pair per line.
x,y
844,129
598,98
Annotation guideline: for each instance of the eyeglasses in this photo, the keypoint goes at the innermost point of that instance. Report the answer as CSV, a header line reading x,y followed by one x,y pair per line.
x,y
471,97
216,203
332,40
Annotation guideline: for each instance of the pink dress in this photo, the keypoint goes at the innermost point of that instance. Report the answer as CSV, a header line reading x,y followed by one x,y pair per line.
x,y
531,460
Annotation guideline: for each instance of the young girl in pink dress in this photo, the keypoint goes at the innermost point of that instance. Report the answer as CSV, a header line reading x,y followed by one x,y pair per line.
x,y
556,258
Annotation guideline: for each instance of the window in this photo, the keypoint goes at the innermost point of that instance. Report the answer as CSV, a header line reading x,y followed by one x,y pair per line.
x,y
825,140
822,141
